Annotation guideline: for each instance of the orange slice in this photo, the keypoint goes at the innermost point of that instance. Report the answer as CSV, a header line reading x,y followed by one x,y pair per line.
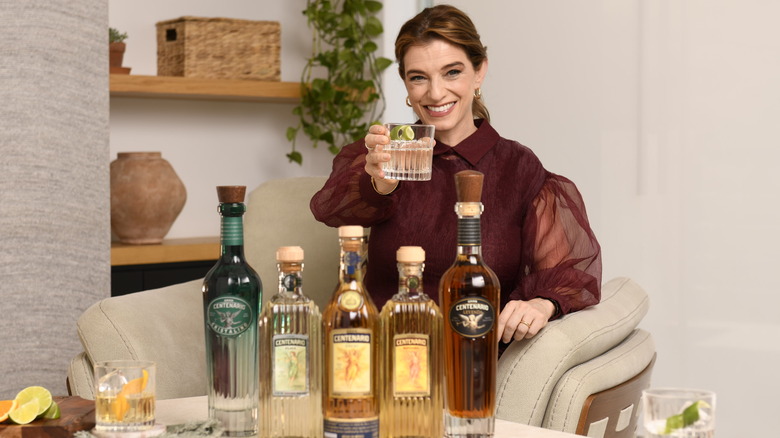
x,y
135,386
6,406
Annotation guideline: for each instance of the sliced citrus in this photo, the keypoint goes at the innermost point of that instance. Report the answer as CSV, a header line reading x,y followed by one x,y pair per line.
x,y
135,386
25,413
6,406
35,392
402,132
688,416
53,412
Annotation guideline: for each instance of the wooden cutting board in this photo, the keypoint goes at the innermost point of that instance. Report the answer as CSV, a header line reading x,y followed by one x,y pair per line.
x,y
75,414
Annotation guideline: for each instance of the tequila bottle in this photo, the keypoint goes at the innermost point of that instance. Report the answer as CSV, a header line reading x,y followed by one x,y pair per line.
x,y
351,326
290,356
469,293
232,294
411,337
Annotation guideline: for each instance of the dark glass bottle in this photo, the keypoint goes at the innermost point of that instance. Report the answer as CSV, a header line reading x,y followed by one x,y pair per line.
x,y
469,292
232,295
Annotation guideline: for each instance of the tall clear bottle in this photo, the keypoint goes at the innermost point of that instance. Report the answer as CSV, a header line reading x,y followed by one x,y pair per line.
x,y
411,352
351,326
290,356
469,293
232,295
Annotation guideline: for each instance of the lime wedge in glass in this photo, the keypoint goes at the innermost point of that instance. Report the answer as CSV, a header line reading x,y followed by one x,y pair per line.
x,y
402,132
688,416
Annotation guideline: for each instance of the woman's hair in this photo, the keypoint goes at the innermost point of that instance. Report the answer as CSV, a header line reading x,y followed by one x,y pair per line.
x,y
449,24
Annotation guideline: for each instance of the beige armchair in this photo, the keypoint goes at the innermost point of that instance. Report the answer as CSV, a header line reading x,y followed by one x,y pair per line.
x,y
560,379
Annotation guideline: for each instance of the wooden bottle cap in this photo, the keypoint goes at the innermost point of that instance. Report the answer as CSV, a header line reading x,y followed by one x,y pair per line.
x,y
231,194
410,254
468,184
289,254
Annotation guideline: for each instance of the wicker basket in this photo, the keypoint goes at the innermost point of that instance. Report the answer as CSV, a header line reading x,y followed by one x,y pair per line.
x,y
219,48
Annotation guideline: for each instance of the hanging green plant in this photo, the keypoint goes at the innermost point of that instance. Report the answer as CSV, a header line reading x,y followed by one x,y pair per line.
x,y
338,109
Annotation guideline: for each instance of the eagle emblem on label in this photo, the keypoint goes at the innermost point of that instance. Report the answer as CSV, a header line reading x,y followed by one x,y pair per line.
x,y
472,316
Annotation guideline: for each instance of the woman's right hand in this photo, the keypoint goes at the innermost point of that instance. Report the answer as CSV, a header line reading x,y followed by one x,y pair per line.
x,y
375,140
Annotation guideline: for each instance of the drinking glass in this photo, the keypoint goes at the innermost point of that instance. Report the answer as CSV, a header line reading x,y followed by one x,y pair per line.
x,y
679,412
124,395
411,152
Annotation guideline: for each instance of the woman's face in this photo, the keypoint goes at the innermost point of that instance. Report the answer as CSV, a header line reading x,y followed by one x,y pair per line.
x,y
441,81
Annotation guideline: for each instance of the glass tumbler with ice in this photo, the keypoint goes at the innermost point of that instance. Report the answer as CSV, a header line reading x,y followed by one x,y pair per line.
x,y
411,152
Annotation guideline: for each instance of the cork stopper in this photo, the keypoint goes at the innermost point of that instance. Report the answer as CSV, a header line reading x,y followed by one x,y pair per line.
x,y
351,231
410,254
231,194
289,254
468,184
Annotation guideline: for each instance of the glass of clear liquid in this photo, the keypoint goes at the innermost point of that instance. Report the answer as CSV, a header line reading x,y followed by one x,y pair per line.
x,y
411,152
124,395
678,412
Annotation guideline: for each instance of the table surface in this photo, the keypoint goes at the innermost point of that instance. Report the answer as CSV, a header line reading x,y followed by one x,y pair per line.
x,y
183,410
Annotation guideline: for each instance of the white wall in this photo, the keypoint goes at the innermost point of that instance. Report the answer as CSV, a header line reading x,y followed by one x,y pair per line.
x,y
664,112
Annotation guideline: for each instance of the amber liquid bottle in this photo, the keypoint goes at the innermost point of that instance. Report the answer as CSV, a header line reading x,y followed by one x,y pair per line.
x,y
411,352
351,328
469,291
290,336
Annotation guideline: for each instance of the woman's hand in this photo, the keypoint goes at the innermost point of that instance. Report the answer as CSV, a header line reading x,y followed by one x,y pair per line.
x,y
376,139
523,319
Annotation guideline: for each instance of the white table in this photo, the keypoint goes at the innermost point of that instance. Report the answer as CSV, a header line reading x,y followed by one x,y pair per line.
x,y
183,410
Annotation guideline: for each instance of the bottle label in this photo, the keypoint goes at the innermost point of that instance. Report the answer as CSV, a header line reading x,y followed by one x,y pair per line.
x,y
472,317
229,315
291,281
351,367
350,301
290,365
351,428
411,374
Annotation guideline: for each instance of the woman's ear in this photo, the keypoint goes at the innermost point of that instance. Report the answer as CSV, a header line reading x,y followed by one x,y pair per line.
x,y
481,72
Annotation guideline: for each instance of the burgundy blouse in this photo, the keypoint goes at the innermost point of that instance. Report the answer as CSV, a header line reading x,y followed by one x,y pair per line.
x,y
535,231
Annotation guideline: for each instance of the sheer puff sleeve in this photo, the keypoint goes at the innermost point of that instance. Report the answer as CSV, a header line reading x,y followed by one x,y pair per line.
x,y
348,198
561,257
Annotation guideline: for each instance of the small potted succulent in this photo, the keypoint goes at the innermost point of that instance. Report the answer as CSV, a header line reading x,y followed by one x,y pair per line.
x,y
116,45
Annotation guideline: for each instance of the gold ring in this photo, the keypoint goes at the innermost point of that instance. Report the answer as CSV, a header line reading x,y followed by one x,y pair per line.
x,y
525,324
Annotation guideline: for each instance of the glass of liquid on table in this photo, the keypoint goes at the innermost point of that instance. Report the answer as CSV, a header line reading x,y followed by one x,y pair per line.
x,y
678,412
411,152
124,396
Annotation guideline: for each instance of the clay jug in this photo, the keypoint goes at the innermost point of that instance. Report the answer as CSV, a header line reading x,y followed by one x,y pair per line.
x,y
146,197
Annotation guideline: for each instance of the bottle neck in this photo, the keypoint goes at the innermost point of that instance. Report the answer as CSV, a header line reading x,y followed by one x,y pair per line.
x,y
232,229
352,259
469,228
410,281
290,279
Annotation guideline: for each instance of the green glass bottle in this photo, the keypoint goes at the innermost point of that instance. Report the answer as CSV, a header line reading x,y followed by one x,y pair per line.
x,y
232,295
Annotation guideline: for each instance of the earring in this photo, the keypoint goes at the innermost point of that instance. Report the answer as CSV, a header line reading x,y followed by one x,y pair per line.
x,y
408,102
478,94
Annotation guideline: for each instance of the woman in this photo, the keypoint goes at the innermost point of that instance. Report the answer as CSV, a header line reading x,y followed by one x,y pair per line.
x,y
536,235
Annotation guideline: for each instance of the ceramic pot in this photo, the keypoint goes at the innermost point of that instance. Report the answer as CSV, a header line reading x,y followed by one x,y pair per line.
x,y
116,55
146,197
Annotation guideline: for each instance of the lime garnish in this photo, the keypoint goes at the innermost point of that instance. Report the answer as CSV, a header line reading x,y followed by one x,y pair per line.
x,y
688,416
25,413
53,412
35,393
402,132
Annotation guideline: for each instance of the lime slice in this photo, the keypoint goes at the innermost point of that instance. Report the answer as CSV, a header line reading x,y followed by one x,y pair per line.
x,y
35,392
25,413
53,412
402,132
688,416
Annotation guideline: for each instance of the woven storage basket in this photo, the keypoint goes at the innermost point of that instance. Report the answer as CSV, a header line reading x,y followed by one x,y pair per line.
x,y
219,48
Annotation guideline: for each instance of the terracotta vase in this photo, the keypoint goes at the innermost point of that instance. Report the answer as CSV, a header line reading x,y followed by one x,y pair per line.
x,y
146,197
116,55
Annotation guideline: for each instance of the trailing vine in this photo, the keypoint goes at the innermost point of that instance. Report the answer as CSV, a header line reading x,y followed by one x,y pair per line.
x,y
338,109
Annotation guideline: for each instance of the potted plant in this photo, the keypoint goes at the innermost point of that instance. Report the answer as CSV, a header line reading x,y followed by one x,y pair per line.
x,y
339,108
116,54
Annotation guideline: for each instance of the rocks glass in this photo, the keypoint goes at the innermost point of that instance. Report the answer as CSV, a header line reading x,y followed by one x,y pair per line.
x,y
124,395
411,152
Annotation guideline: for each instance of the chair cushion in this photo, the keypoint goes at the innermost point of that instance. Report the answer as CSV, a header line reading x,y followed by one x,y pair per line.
x,y
529,370
163,325
608,370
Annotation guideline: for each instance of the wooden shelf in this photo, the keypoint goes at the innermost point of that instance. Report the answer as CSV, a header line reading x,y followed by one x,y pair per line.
x,y
169,251
171,87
